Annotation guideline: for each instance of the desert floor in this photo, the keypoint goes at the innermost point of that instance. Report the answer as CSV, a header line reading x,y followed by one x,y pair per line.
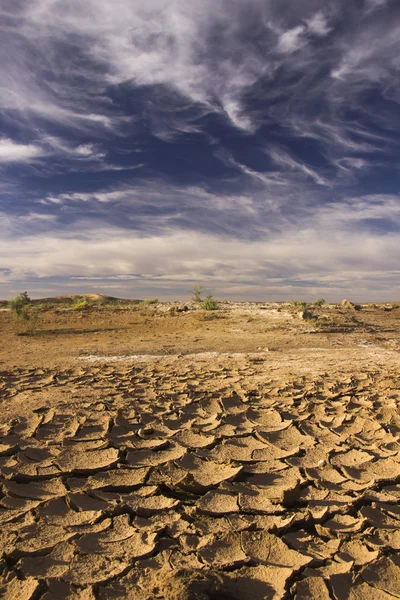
x,y
247,453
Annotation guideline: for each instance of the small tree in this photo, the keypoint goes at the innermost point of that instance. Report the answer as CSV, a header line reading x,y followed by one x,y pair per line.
x,y
197,291
19,303
26,318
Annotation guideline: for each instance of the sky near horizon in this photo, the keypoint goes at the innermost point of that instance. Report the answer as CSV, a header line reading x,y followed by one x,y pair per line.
x,y
250,145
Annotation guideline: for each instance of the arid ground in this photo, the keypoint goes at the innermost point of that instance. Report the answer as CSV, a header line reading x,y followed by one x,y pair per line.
x,y
246,453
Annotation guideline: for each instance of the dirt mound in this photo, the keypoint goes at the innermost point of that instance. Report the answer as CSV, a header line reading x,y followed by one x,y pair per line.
x,y
346,304
72,298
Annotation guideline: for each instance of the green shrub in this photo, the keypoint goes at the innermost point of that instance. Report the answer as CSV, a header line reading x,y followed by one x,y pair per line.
x,y
81,304
150,301
19,303
299,304
209,303
26,317
319,302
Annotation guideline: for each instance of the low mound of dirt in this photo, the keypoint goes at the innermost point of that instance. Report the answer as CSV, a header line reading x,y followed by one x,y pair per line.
x,y
74,297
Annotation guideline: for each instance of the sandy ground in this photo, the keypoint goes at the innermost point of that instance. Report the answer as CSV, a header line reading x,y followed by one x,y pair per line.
x,y
246,454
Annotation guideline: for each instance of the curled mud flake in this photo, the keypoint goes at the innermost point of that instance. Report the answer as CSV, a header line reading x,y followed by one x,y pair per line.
x,y
257,500
384,575
137,545
334,503
36,490
282,487
311,457
265,466
357,486
218,503
312,494
341,524
39,538
311,545
145,506
73,459
14,503
326,477
60,427
385,538
17,589
288,439
258,583
384,469
89,569
240,450
379,518
51,565
93,429
310,588
191,439
61,590
357,551
224,552
191,541
119,530
206,473
8,449
351,458
363,591
153,458
143,444
117,478
391,509
266,548
84,502
58,512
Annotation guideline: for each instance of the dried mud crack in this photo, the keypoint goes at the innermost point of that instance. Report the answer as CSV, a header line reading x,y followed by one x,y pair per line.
x,y
226,479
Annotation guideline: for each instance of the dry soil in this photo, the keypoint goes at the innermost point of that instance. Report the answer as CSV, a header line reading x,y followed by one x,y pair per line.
x,y
248,453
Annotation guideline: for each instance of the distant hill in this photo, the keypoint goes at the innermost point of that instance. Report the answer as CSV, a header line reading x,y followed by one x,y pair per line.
x,y
100,298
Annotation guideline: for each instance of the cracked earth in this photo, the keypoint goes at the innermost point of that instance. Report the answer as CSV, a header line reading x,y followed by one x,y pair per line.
x,y
258,477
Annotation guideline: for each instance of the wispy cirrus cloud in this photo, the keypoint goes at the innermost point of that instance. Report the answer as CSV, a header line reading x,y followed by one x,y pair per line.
x,y
255,129
14,152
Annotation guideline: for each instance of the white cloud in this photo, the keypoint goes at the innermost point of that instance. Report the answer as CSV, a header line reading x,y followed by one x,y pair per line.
x,y
318,24
329,246
197,49
291,40
282,158
11,152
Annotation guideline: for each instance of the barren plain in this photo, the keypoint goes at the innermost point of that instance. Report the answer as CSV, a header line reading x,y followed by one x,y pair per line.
x,y
247,453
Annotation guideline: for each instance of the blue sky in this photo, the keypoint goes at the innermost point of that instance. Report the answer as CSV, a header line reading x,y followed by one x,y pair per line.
x,y
251,145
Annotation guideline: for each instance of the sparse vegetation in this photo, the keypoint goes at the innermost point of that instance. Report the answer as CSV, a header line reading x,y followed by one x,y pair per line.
x,y
322,322
26,317
197,292
150,301
307,314
209,303
19,303
319,302
298,304
81,304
